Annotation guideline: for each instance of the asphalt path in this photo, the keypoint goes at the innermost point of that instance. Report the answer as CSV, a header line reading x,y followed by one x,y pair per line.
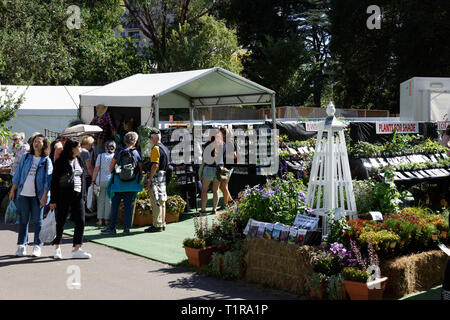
x,y
109,275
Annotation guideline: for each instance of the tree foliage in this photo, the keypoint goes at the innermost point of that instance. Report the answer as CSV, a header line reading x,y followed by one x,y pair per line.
x,y
371,64
37,47
202,44
158,19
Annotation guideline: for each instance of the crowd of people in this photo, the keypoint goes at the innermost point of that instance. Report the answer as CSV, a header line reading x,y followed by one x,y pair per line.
x,y
56,176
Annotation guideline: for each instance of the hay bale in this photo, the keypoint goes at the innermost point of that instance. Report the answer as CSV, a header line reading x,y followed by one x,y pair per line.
x,y
413,273
278,265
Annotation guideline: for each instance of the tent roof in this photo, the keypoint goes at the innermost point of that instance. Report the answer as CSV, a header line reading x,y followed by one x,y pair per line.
x,y
51,98
208,87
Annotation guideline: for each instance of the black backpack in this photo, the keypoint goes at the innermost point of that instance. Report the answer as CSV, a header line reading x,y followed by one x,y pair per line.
x,y
128,165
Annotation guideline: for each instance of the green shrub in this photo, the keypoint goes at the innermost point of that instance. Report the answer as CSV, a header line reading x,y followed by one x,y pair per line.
x,y
354,274
194,243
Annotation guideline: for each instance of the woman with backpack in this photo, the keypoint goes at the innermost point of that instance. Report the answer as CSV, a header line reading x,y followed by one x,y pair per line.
x,y
125,167
68,193
32,182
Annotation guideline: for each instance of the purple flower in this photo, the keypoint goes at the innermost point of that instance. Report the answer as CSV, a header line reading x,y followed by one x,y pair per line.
x,y
267,194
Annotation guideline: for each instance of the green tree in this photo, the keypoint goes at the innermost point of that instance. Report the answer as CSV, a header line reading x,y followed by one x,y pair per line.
x,y
202,44
37,46
371,64
9,104
157,19
287,45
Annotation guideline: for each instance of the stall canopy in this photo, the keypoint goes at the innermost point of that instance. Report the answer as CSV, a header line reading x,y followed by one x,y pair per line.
x,y
188,89
45,107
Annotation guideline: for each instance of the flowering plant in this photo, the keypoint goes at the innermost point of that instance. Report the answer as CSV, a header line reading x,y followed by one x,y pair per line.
x,y
280,200
380,239
333,260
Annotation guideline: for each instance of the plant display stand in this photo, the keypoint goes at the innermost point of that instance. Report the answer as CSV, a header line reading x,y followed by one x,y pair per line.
x,y
330,184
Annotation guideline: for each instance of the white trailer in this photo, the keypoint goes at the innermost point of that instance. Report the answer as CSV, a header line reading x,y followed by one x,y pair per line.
x,y
425,99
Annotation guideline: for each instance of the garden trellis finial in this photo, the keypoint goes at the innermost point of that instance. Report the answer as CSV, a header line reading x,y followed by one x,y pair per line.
x,y
330,184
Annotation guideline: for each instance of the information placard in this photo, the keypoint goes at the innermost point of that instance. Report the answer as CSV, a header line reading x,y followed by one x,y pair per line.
x,y
306,222
386,127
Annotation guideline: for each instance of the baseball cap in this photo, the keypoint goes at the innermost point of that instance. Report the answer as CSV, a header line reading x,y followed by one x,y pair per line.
x,y
154,131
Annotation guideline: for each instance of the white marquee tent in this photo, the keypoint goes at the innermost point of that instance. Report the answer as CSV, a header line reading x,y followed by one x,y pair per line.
x,y
188,89
45,107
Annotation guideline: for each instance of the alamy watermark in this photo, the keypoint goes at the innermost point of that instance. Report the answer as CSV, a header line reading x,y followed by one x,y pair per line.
x,y
74,280
74,21
374,21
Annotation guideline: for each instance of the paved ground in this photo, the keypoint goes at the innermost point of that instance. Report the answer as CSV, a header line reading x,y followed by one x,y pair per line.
x,y
110,274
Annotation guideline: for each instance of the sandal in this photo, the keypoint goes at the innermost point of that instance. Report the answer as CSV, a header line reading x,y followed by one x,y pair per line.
x,y
200,213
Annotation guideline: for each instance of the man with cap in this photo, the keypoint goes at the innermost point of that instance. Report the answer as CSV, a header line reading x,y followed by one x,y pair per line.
x,y
156,183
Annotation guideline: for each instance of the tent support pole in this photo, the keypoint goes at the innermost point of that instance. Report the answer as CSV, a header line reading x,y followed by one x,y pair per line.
x,y
156,108
274,113
191,114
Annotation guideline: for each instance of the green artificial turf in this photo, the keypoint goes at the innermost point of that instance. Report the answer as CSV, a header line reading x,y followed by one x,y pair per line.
x,y
166,246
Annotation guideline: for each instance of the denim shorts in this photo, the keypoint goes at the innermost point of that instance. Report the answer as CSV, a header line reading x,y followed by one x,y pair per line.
x,y
209,173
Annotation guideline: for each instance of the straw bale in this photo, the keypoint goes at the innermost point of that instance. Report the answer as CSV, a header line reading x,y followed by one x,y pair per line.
x,y
413,273
279,265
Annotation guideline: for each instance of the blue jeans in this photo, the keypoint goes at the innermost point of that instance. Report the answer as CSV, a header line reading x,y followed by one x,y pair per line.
x,y
128,208
25,206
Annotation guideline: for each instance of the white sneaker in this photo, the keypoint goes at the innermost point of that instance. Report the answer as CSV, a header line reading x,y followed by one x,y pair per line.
x,y
36,251
57,254
80,254
21,251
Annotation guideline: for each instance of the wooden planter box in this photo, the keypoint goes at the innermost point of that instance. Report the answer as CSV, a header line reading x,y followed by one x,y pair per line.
x,y
361,290
146,219
199,257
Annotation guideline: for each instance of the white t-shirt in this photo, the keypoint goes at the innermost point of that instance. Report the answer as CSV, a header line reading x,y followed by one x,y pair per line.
x,y
29,188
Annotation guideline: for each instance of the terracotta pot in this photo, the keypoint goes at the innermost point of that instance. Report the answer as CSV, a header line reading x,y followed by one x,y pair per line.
x,y
444,234
434,237
170,217
361,291
393,244
142,219
320,293
199,257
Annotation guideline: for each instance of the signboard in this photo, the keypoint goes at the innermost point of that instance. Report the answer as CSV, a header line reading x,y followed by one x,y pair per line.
x,y
306,222
312,126
442,125
385,127
376,215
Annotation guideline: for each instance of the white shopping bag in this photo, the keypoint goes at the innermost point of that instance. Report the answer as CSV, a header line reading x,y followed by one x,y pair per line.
x,y
48,229
91,198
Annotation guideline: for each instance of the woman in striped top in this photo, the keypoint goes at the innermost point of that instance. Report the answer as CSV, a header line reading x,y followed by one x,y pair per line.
x,y
68,194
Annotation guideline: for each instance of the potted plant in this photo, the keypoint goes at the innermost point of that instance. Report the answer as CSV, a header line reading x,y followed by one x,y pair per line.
x,y
197,252
174,207
143,211
318,286
358,287
356,278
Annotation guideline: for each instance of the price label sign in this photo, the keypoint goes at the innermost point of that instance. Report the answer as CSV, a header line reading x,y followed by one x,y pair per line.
x,y
376,215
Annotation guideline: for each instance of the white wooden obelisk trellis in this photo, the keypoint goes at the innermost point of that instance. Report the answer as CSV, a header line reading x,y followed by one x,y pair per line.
x,y
330,183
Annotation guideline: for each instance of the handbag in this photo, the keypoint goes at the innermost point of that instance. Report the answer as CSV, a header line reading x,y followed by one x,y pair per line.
x,y
222,173
66,180
97,187
48,229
